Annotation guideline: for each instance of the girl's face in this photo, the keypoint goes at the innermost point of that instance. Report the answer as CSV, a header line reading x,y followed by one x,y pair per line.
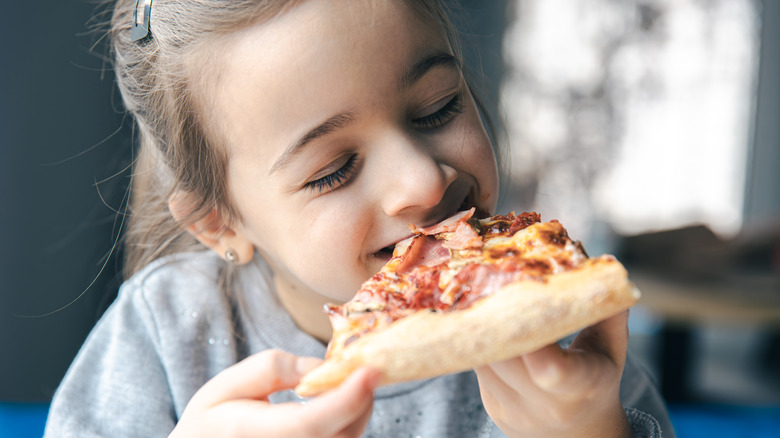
x,y
345,122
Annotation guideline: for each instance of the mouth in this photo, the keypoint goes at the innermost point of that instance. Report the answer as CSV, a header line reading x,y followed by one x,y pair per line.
x,y
386,253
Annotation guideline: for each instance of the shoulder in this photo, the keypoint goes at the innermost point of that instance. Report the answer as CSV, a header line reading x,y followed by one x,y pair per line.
x,y
144,355
171,299
174,311
176,270
174,282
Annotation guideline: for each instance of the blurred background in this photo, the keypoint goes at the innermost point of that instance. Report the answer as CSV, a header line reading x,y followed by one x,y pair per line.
x,y
650,127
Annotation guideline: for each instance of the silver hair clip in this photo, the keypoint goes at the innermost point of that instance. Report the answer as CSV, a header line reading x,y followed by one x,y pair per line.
x,y
140,27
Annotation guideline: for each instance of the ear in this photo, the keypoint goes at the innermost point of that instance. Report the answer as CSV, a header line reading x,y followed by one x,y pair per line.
x,y
211,230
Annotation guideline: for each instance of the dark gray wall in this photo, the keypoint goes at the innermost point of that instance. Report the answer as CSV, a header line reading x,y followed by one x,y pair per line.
x,y
56,142
762,195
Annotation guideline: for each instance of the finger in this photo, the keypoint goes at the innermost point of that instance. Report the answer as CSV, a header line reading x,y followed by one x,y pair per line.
x,y
495,395
256,377
486,379
521,403
556,370
346,407
609,337
597,354
359,425
511,373
550,369
306,364
344,411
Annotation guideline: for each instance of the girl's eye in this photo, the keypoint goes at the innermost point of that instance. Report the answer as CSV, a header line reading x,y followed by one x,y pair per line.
x,y
336,179
440,117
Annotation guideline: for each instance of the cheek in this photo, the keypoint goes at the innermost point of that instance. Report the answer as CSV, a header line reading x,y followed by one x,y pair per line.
x,y
486,174
323,252
477,158
316,244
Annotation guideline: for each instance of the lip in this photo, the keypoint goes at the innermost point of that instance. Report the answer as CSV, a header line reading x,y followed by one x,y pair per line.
x,y
386,252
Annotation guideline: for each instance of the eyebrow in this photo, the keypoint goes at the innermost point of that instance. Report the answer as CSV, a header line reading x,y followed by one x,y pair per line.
x,y
341,120
332,124
418,70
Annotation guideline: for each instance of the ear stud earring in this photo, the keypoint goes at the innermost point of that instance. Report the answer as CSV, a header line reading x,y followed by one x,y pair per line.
x,y
231,256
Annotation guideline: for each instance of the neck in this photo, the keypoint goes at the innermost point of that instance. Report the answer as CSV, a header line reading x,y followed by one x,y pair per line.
x,y
304,306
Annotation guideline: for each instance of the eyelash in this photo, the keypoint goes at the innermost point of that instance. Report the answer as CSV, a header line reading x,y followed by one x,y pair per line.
x,y
442,116
335,179
343,174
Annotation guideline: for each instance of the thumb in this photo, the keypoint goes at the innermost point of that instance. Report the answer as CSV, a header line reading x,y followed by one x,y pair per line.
x,y
257,376
594,355
608,337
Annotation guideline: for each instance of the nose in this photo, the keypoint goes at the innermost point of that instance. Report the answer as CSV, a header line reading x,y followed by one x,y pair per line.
x,y
414,179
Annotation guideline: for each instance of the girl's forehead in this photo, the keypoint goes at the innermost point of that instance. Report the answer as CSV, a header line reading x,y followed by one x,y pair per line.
x,y
317,59
334,32
333,25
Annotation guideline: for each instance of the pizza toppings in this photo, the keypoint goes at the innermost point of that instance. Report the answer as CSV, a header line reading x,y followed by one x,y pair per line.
x,y
464,237
451,265
446,226
508,225
457,232
421,250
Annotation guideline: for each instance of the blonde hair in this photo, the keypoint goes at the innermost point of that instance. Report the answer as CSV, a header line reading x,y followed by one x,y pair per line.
x,y
177,151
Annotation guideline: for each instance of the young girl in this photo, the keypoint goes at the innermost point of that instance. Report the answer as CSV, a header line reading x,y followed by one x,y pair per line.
x,y
285,147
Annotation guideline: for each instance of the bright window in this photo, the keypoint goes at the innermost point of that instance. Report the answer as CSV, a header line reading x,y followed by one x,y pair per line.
x,y
633,113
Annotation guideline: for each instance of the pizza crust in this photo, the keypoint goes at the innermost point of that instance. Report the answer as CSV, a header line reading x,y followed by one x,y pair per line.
x,y
520,318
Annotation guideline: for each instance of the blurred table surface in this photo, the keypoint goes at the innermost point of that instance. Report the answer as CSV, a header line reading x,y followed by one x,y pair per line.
x,y
754,301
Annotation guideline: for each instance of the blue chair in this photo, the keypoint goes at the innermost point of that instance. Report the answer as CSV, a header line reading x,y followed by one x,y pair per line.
x,y
22,420
725,421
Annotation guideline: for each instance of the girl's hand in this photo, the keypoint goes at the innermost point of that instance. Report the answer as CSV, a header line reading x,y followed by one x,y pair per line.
x,y
562,393
235,402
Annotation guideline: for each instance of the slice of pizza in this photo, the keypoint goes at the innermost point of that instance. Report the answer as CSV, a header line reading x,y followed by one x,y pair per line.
x,y
468,292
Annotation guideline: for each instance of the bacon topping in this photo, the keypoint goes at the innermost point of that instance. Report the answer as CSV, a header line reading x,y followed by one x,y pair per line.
x,y
477,281
464,237
423,250
446,226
